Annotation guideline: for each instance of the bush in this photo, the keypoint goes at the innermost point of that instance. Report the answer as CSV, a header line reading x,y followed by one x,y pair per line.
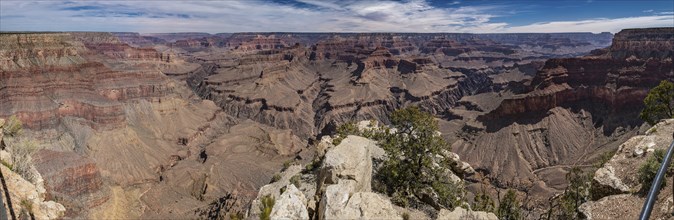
x,y
344,130
13,126
266,208
22,156
509,207
411,150
658,103
604,158
295,180
287,164
406,216
275,178
411,164
400,199
451,195
647,172
483,202
7,165
236,216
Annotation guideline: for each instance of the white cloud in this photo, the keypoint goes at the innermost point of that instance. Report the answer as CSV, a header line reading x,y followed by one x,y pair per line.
x,y
596,25
253,16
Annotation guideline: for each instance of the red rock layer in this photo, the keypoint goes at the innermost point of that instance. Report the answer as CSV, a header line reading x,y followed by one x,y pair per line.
x,y
71,179
47,76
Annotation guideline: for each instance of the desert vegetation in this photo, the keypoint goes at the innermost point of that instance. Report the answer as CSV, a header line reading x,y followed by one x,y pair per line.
x,y
658,104
20,149
413,166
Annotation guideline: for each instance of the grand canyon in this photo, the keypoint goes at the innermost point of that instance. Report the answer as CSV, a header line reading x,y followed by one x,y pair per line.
x,y
127,125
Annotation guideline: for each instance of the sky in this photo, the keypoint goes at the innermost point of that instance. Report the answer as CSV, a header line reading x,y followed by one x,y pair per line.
x,y
461,16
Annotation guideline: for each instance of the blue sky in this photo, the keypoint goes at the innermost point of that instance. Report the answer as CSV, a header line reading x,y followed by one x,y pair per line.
x,y
477,16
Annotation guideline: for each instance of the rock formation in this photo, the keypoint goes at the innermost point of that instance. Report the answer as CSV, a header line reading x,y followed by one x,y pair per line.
x,y
340,187
615,186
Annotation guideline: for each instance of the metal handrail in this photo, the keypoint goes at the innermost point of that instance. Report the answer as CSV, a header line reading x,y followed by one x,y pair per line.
x,y
655,187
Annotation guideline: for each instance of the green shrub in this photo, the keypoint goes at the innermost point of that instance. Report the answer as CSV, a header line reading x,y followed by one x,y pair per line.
x,y
236,216
400,199
647,172
409,165
658,103
406,216
483,202
266,208
509,207
604,158
275,178
287,164
296,180
13,126
450,194
346,129
7,165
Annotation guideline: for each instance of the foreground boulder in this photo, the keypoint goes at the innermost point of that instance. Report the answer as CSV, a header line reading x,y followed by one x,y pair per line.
x,y
460,213
350,160
291,205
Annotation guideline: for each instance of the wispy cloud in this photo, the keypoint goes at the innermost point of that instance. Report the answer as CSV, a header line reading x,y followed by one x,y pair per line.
x,y
596,25
287,15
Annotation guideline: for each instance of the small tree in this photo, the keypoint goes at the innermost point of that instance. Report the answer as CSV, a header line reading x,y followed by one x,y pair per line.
x,y
576,193
658,104
509,207
411,164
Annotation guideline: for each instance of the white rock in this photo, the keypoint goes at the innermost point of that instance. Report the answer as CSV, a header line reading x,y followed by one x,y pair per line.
x,y
335,199
367,125
606,176
368,205
324,145
349,160
460,213
49,210
6,156
273,189
290,205
638,152
341,202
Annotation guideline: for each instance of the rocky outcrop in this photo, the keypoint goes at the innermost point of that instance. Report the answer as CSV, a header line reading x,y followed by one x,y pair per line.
x,y
616,187
643,43
339,188
27,200
290,205
350,160
461,213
